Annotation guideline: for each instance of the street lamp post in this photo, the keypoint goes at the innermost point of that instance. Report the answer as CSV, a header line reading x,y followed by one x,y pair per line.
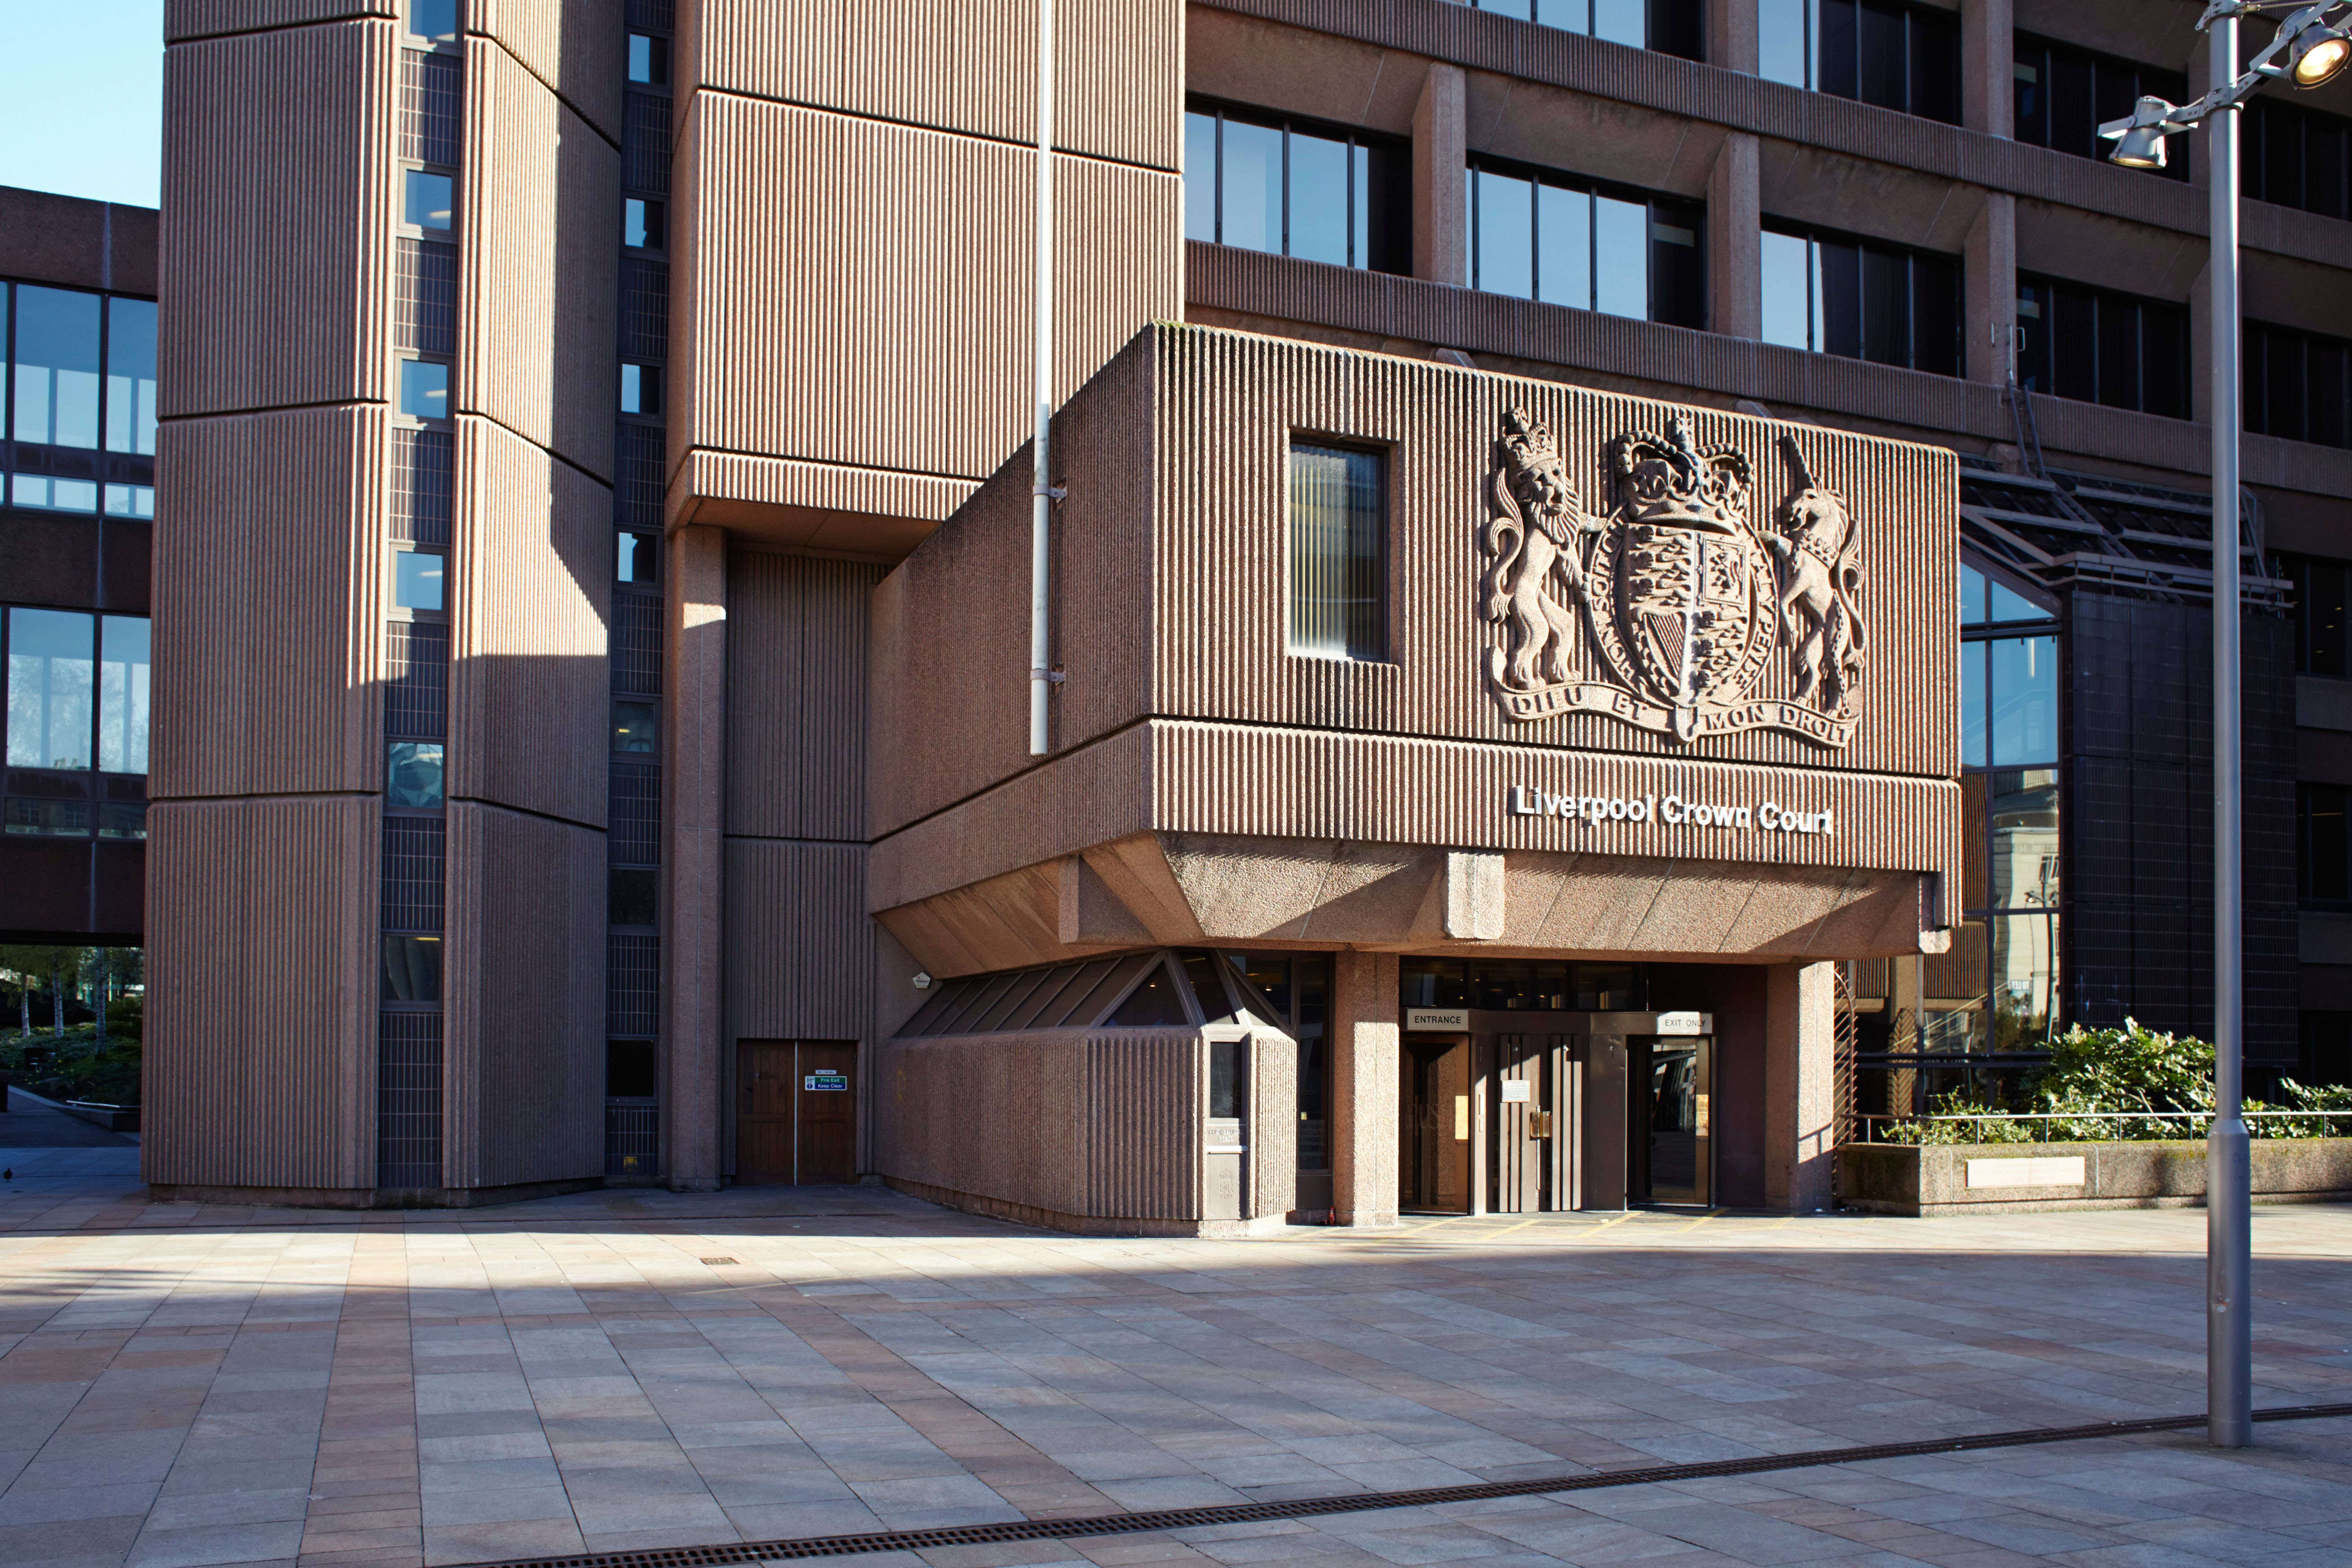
x,y
2310,46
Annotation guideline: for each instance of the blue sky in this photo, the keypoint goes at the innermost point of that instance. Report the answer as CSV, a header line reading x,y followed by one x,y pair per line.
x,y
82,97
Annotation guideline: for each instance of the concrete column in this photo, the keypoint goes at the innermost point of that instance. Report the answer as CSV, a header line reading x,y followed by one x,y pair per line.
x,y
694,803
1440,148
1800,1085
1364,1052
1731,36
1987,67
1735,243
1988,271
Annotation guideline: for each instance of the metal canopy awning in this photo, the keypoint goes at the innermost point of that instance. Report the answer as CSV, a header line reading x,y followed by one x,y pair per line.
x,y
2066,529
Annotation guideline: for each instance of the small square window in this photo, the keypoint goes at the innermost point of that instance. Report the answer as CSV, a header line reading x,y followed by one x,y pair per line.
x,y
122,819
648,59
629,896
130,501
632,727
412,968
639,559
424,389
428,199
412,775
643,224
435,19
641,389
416,580
629,1070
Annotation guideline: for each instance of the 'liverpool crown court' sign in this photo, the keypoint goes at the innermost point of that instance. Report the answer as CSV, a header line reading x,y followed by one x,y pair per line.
x,y
1667,613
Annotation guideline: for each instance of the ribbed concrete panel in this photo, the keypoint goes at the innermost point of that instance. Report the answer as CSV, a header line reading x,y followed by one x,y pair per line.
x,y
1143,1115
796,710
1274,783
529,683
263,912
186,19
523,997
822,507
276,522
801,230
274,281
1118,66
1277,295
994,1116
575,47
799,948
1207,552
1229,406
542,199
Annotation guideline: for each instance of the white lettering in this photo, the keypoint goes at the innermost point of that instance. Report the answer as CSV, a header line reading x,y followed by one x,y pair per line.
x,y
1770,815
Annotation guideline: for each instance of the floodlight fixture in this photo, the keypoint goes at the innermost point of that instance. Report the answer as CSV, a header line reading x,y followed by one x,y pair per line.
x,y
2139,139
2317,49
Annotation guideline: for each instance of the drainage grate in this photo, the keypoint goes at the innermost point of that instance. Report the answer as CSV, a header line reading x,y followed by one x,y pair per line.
x,y
744,1551
717,1260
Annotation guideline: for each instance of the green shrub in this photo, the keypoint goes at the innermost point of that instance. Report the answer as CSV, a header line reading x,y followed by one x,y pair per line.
x,y
2117,1084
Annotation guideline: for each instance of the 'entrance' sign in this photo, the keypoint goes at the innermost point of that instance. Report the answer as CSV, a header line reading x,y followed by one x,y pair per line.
x,y
1436,1018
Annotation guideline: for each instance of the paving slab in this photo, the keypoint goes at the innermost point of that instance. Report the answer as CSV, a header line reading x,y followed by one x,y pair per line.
x,y
183,1386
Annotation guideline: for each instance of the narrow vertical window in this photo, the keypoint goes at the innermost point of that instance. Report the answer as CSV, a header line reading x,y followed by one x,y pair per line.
x,y
130,376
1337,560
50,673
123,695
57,367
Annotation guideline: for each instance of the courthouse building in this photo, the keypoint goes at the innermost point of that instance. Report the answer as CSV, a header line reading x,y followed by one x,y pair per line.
x,y
1626,580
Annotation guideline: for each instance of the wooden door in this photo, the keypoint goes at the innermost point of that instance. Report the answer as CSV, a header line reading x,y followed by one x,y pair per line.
x,y
827,1086
764,1111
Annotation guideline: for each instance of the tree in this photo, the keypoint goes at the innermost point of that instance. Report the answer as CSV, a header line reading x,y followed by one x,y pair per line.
x,y
24,962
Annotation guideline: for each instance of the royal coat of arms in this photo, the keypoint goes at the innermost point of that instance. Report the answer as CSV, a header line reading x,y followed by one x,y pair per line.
x,y
1668,613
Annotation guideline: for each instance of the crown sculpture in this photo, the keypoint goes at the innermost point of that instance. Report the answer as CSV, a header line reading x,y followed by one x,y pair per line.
x,y
1666,614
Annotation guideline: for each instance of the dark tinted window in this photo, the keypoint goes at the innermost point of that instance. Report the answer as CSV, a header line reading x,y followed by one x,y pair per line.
x,y
2298,386
1835,294
2062,93
1897,56
2101,345
1669,26
2319,615
2297,157
2323,868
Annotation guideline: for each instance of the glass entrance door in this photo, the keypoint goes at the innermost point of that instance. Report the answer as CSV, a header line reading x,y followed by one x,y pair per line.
x,y
1433,1126
1670,1080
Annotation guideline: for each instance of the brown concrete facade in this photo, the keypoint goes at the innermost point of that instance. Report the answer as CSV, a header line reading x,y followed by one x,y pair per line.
x,y
846,811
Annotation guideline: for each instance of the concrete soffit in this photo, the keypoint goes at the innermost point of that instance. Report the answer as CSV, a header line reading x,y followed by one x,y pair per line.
x,y
1190,890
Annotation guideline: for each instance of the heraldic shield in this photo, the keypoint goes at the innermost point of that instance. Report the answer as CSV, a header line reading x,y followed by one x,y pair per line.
x,y
1667,613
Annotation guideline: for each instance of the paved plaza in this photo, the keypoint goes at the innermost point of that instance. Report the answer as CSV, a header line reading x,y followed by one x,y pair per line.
x,y
184,1385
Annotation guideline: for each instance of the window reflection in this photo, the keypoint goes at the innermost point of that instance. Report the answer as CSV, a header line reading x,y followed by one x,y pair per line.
x,y
2023,686
413,776
1538,236
122,696
131,380
56,368
1260,182
50,681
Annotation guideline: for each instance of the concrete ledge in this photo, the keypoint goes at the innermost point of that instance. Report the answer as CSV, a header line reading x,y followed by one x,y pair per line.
x,y
113,1117
1089,1224
367,1197
2039,1178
